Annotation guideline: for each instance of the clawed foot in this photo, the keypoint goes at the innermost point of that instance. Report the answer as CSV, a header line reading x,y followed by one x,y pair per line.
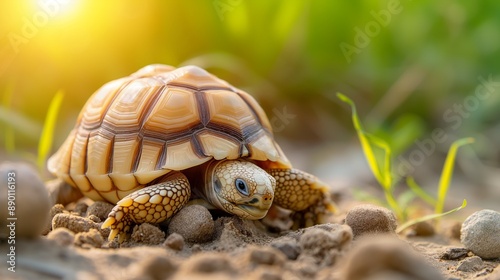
x,y
119,222
318,213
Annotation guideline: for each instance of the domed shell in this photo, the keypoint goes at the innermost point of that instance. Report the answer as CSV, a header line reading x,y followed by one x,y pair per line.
x,y
138,128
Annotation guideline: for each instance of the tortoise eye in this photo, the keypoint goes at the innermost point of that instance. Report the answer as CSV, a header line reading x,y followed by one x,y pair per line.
x,y
241,186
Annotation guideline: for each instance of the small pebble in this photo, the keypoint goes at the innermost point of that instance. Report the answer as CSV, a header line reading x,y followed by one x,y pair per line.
x,y
21,184
265,255
196,248
369,219
194,223
470,264
290,249
62,236
100,209
81,208
90,239
480,234
454,253
147,234
94,218
423,229
174,241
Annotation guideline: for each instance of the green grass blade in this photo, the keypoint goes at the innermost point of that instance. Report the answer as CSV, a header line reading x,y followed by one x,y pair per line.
x,y
420,192
447,173
365,144
429,217
383,176
45,143
386,171
386,175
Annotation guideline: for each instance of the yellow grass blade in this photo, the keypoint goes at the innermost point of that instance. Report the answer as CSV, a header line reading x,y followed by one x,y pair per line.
x,y
447,173
383,176
429,217
45,143
365,144
386,171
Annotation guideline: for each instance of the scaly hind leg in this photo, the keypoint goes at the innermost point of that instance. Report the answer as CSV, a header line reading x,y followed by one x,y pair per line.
x,y
304,194
152,204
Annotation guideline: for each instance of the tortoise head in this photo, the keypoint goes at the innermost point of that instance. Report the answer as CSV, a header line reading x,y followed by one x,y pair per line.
x,y
240,187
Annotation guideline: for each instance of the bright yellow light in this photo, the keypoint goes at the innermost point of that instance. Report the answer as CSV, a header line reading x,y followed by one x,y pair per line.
x,y
55,8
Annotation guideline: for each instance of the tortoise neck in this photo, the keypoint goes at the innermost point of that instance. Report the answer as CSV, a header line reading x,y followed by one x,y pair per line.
x,y
202,180
211,186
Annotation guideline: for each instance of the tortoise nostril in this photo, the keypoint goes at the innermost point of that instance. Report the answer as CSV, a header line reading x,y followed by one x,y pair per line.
x,y
267,197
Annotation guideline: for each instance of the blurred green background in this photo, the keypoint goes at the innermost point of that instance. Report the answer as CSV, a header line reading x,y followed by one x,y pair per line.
x,y
409,65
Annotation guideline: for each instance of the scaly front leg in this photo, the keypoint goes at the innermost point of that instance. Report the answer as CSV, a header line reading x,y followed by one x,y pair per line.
x,y
303,193
152,204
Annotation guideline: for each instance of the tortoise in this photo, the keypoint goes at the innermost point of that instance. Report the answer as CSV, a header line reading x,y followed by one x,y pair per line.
x,y
164,136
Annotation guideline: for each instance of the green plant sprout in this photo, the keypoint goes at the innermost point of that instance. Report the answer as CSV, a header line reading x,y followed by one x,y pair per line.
x,y
382,173
47,135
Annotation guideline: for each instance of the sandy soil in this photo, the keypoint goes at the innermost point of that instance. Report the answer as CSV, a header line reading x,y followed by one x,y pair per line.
x,y
238,249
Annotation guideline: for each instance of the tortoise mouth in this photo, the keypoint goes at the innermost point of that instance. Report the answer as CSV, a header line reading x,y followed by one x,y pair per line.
x,y
253,212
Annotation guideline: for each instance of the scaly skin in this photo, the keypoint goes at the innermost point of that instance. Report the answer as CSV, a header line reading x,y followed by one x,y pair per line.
x,y
152,204
220,188
304,194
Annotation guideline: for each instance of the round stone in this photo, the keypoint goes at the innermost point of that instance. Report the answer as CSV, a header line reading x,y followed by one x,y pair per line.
x,y
480,234
194,223
25,201
371,219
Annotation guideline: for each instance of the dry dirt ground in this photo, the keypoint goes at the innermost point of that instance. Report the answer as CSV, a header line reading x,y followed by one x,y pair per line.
x,y
76,248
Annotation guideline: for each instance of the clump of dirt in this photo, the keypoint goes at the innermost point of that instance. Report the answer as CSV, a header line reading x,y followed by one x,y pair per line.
x,y
147,234
194,223
62,236
89,239
174,241
370,219
76,223
386,257
100,209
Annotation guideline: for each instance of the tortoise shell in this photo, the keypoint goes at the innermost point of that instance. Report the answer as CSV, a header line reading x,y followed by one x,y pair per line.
x,y
136,129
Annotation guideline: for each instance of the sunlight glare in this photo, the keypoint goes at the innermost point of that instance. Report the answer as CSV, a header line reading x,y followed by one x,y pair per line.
x,y
57,7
